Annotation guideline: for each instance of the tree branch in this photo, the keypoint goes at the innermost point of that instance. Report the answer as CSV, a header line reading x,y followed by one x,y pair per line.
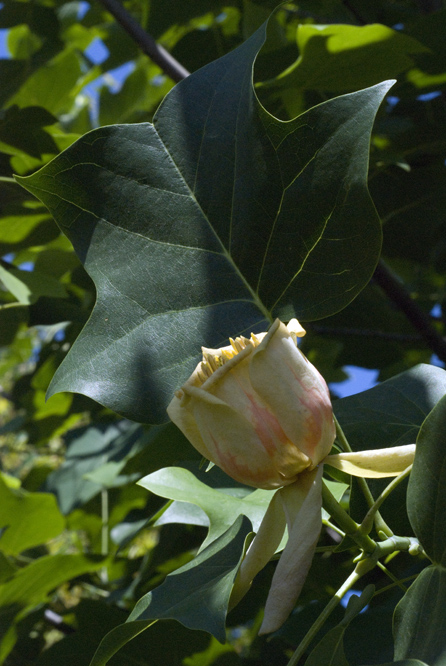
x,y
419,320
148,45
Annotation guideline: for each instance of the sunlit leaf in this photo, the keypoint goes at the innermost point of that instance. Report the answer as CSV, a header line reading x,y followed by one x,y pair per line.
x,y
30,519
181,485
339,58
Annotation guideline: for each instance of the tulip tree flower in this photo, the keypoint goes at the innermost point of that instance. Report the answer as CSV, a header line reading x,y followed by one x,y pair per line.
x,y
258,409
262,412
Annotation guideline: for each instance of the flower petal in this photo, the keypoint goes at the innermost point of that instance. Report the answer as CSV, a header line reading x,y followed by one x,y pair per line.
x,y
374,464
295,561
185,421
295,392
261,550
249,455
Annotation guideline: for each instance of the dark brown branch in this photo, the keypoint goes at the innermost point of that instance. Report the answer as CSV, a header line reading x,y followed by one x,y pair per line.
x,y
419,320
157,53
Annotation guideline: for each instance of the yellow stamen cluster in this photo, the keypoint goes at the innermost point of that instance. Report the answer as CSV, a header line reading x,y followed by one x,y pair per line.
x,y
212,361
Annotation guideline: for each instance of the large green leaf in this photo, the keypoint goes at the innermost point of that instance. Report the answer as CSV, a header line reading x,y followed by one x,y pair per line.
x,y
93,619
426,493
196,595
209,223
420,619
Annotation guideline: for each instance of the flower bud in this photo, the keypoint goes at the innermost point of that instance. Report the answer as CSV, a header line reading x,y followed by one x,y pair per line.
x,y
258,408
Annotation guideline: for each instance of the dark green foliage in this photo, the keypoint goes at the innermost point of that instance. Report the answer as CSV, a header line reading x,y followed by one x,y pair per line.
x,y
243,197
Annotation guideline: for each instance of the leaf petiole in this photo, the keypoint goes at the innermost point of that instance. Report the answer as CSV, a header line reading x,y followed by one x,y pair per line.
x,y
368,521
380,524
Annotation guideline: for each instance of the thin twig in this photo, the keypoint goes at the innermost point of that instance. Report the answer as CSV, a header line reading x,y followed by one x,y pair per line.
x,y
419,320
148,45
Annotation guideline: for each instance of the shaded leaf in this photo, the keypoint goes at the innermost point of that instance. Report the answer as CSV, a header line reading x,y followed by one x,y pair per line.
x,y
31,585
22,128
196,595
426,493
96,618
406,662
420,619
230,217
12,316
390,414
330,650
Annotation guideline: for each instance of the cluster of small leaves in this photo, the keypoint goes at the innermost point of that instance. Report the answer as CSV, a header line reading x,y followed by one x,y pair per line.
x,y
80,542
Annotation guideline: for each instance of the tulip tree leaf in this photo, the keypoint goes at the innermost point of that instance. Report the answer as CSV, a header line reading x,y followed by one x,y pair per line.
x,y
179,484
426,493
420,619
207,224
390,414
196,595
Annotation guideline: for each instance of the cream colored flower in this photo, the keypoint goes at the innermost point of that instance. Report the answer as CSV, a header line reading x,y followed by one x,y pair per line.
x,y
258,408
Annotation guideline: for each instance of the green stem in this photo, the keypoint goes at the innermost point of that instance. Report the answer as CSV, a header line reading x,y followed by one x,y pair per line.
x,y
6,179
104,527
392,576
104,532
408,579
318,624
380,524
368,521
346,522
334,527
